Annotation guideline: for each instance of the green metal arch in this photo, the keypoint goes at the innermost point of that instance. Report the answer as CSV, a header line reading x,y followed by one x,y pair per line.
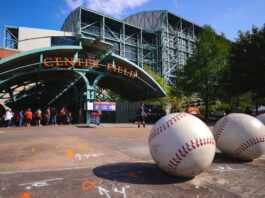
x,y
142,70
39,50
152,84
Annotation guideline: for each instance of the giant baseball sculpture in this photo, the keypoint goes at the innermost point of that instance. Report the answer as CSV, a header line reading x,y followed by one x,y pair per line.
x,y
261,117
240,135
181,145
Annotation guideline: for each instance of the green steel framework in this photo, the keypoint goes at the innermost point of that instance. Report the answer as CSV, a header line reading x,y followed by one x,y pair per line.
x,y
160,39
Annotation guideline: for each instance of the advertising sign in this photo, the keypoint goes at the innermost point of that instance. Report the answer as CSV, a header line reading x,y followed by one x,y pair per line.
x,y
95,118
90,106
104,106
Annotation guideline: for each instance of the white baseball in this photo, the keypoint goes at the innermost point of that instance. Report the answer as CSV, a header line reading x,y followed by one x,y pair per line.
x,y
261,117
181,145
240,135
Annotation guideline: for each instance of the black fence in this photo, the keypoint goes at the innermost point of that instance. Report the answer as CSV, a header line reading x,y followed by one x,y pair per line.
x,y
127,113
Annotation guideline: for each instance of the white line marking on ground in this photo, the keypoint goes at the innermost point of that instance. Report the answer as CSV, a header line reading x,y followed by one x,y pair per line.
x,y
64,169
1,132
47,170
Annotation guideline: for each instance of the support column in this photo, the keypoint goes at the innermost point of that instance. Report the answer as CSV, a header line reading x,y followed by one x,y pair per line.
x,y
87,93
90,92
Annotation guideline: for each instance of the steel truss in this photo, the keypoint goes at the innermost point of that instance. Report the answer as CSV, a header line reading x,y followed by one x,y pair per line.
x,y
128,41
175,39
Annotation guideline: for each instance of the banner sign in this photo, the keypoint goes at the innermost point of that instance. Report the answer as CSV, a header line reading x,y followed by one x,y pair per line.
x,y
104,106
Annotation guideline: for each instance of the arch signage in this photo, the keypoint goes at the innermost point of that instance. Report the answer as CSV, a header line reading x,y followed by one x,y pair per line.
x,y
87,63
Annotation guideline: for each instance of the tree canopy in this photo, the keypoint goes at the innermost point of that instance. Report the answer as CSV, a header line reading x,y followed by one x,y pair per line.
x,y
246,72
201,74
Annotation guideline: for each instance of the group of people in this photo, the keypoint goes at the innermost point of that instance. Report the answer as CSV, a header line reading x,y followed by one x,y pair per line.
x,y
50,116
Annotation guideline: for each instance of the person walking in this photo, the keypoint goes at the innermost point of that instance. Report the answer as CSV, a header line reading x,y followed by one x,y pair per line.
x,y
20,118
54,116
28,115
47,115
38,116
69,117
141,115
8,117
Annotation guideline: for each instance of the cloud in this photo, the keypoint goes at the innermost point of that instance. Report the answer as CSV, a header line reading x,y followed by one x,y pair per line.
x,y
74,3
110,7
177,4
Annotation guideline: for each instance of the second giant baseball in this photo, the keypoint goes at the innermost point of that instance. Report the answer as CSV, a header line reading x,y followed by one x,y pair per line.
x,y
240,135
181,145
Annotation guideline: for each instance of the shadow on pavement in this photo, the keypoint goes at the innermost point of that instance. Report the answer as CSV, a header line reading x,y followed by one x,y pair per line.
x,y
221,158
86,127
136,173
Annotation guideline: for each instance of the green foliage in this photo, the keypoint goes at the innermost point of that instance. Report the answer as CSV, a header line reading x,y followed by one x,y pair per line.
x,y
201,74
212,108
112,96
223,106
202,109
246,73
172,97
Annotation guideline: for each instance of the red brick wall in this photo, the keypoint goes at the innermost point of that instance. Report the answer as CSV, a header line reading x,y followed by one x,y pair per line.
x,y
5,52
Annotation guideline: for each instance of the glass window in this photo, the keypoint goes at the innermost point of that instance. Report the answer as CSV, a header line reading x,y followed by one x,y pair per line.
x,y
62,40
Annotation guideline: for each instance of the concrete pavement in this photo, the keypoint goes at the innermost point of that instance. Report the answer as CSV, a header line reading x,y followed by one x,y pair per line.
x,y
109,161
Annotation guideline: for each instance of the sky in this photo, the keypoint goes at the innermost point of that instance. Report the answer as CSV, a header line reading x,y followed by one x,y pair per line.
x,y
227,16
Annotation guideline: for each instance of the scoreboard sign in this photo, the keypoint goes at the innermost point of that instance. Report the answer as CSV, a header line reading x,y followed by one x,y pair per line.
x,y
104,106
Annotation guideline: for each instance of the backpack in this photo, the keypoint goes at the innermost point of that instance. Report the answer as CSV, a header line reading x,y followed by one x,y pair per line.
x,y
38,114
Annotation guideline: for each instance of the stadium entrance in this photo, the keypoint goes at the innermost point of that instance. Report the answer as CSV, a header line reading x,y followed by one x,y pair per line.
x,y
72,76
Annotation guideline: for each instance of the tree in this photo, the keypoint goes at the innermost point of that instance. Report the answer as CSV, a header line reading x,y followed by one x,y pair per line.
x,y
171,98
201,74
247,65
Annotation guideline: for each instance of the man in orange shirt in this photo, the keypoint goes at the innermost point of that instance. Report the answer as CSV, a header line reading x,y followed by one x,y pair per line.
x,y
28,115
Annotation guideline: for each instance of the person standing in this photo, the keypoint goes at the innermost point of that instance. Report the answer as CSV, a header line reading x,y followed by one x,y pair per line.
x,y
20,118
47,116
8,116
54,116
38,115
141,115
63,113
28,115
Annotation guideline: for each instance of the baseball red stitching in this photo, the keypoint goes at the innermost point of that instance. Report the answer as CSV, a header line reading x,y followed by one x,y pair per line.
x,y
222,127
162,128
250,142
185,149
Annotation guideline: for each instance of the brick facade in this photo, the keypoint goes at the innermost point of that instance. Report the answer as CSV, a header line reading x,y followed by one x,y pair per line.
x,y
5,52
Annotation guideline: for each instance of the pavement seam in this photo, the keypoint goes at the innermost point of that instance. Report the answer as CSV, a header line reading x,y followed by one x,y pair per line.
x,y
63,169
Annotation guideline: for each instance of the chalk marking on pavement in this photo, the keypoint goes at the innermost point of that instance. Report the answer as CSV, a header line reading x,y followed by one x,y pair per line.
x,y
69,152
81,156
61,169
84,187
227,168
39,183
261,157
24,195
